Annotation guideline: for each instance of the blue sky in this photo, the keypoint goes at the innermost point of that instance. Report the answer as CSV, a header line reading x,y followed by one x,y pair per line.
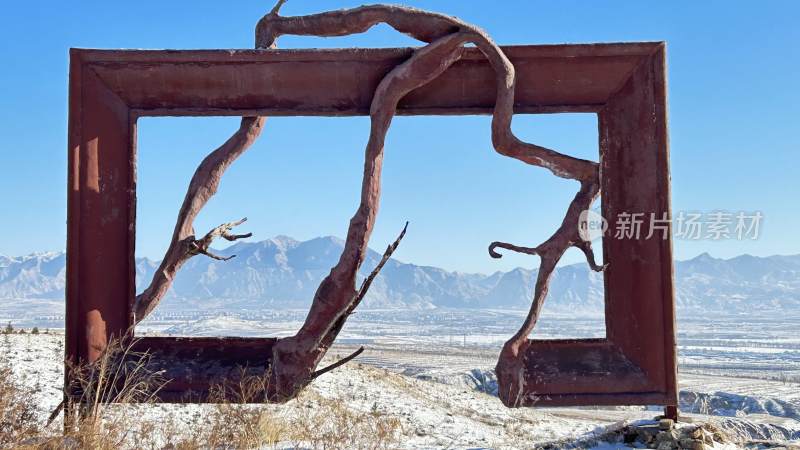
x,y
734,122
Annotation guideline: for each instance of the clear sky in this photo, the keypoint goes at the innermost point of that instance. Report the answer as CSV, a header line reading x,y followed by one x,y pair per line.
x,y
734,111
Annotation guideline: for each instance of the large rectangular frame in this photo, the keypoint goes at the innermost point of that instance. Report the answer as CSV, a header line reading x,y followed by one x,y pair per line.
x,y
624,84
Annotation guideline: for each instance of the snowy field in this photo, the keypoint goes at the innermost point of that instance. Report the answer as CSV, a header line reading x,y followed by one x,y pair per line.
x,y
432,413
742,347
436,379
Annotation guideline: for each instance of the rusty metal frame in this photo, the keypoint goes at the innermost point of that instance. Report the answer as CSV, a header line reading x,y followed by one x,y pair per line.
x,y
624,84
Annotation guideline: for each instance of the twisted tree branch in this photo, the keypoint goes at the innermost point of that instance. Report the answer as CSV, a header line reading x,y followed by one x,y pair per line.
x,y
387,254
295,358
202,187
336,296
337,364
330,336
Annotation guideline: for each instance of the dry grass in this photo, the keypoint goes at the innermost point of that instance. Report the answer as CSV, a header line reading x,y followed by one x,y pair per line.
x,y
18,415
325,423
96,418
115,410
235,420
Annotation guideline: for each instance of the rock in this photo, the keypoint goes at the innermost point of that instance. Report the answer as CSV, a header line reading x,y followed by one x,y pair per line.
x,y
629,436
667,440
67,443
698,445
646,433
667,436
648,436
691,444
666,424
667,445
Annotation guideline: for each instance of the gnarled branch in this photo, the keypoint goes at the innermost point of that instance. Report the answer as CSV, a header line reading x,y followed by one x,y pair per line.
x,y
295,357
335,297
202,187
330,336
510,368
337,364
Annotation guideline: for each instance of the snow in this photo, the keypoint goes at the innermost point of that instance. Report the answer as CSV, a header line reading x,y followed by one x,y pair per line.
x,y
437,406
432,414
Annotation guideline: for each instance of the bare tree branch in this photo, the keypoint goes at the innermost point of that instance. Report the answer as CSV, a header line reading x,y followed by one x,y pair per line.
x,y
330,336
336,295
515,248
428,26
202,187
277,7
295,358
202,246
387,254
337,364
586,248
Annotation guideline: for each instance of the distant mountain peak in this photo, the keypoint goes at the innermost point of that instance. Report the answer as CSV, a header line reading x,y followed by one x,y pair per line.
x,y
330,238
284,241
705,256
283,238
282,272
44,255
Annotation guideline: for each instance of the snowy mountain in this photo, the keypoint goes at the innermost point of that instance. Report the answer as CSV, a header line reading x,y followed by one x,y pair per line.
x,y
38,275
284,273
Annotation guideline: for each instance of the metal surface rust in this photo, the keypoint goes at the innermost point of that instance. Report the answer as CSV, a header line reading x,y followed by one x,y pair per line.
x,y
624,84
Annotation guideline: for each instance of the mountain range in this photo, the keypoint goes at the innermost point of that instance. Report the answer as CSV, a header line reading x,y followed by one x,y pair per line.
x,y
284,273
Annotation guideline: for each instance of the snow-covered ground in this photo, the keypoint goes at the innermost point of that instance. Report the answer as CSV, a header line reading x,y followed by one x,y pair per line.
x,y
440,397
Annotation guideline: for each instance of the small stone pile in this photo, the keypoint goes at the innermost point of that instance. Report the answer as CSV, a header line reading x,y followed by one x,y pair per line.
x,y
664,435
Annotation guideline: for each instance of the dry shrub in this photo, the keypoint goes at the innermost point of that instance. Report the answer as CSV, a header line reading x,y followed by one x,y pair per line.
x,y
234,419
95,415
241,426
18,415
120,375
325,423
114,409
238,419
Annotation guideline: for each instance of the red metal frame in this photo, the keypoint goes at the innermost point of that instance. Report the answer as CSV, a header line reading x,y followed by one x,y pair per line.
x,y
624,84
